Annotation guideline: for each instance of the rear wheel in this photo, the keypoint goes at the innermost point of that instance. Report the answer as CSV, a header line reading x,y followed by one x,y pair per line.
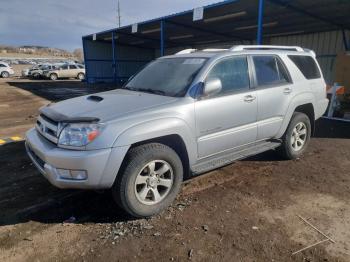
x,y
53,77
81,76
5,74
149,181
297,136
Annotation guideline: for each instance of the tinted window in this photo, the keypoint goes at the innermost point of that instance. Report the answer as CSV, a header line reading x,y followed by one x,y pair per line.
x,y
306,65
64,67
270,71
233,73
73,67
1,65
81,66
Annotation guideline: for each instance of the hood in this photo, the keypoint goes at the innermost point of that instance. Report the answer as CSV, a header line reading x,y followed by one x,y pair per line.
x,y
108,105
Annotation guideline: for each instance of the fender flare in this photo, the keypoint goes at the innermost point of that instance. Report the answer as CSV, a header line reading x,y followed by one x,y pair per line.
x,y
159,128
298,100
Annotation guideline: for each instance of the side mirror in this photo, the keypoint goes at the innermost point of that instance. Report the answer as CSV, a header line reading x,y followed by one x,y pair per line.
x,y
212,87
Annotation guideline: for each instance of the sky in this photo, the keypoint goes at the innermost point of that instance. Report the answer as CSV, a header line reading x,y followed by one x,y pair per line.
x,y
62,23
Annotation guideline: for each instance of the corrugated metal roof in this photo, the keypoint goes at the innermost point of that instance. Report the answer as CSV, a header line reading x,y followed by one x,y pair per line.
x,y
237,20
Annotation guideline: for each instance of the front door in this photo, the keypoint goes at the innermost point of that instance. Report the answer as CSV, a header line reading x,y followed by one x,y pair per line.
x,y
227,120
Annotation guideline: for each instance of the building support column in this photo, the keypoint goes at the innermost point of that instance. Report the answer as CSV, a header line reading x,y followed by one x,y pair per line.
x,y
345,40
259,37
162,38
114,62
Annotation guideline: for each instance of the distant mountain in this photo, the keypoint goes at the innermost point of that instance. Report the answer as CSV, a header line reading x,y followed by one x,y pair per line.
x,y
37,50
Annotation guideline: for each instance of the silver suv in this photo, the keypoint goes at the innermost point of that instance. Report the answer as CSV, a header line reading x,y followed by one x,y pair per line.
x,y
181,115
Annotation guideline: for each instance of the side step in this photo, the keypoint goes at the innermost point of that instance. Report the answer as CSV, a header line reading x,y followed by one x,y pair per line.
x,y
226,158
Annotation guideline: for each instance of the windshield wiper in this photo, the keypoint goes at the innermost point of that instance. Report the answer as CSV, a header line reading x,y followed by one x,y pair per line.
x,y
150,90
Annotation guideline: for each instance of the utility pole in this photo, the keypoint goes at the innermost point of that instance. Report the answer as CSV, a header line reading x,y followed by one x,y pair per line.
x,y
118,14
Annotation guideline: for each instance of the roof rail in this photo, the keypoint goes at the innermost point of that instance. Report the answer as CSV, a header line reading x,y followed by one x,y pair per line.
x,y
266,47
214,49
186,51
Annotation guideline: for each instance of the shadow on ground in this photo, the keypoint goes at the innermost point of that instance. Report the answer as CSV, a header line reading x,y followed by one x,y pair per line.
x,y
61,90
26,195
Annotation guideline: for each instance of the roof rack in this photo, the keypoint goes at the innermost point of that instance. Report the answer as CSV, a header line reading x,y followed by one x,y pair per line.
x,y
186,51
266,47
251,47
214,49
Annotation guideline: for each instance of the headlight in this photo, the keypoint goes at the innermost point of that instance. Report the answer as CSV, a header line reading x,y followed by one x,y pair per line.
x,y
78,135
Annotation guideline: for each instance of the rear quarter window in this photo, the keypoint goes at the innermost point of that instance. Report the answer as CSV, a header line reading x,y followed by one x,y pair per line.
x,y
306,65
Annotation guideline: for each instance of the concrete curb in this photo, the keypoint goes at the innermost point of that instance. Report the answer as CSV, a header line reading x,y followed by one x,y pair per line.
x,y
4,141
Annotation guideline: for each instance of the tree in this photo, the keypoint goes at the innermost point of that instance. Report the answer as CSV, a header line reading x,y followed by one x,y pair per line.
x,y
78,53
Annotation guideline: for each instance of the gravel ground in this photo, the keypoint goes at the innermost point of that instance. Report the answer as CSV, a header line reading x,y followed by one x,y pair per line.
x,y
246,211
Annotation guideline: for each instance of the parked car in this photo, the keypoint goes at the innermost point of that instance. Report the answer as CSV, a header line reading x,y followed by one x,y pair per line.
x,y
67,71
25,72
40,71
6,70
181,115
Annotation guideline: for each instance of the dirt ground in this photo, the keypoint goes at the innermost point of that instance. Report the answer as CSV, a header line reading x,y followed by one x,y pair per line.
x,y
246,211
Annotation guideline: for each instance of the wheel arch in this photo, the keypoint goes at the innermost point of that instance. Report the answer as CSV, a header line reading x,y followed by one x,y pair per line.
x,y
175,142
308,109
303,103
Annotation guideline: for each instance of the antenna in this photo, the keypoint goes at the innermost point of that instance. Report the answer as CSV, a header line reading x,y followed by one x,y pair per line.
x,y
118,14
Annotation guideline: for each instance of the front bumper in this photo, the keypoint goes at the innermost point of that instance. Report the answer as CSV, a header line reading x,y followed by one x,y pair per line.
x,y
101,165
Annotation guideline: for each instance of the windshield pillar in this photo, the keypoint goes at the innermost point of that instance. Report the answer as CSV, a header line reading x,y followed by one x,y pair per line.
x,y
162,37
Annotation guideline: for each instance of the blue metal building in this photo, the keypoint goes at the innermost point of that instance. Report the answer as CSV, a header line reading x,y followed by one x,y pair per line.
x,y
324,25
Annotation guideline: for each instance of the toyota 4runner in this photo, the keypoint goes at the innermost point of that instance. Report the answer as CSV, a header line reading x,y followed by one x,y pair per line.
x,y
181,115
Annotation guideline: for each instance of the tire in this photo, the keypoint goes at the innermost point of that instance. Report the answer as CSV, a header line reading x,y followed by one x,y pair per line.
x,y
36,76
81,76
53,77
292,148
135,184
5,74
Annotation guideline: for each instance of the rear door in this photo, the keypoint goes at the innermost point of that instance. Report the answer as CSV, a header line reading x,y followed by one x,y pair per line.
x,y
227,120
64,71
274,91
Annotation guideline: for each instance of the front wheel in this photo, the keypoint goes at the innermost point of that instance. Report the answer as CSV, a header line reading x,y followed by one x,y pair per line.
x,y
5,74
149,181
296,137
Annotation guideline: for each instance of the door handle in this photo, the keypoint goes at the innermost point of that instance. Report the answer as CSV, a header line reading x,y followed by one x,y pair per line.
x,y
287,90
249,98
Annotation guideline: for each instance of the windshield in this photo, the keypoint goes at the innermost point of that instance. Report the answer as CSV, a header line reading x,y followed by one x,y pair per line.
x,y
167,76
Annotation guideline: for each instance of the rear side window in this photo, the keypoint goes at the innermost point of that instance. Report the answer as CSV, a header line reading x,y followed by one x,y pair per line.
x,y
306,65
233,73
73,67
270,71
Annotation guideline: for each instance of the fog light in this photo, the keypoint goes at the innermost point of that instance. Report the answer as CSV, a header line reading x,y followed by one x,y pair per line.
x,y
78,174
72,174
64,173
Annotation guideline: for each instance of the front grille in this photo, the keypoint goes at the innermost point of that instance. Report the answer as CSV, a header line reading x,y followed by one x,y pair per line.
x,y
36,158
48,128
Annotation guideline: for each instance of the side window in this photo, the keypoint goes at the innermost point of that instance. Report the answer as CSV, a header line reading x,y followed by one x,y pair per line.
x,y
2,65
233,73
306,65
64,67
72,67
270,71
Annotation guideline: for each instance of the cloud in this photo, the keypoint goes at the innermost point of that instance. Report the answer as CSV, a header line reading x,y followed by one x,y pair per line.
x,y
62,23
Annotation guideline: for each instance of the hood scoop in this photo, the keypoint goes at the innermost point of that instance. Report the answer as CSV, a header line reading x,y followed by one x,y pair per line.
x,y
95,98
